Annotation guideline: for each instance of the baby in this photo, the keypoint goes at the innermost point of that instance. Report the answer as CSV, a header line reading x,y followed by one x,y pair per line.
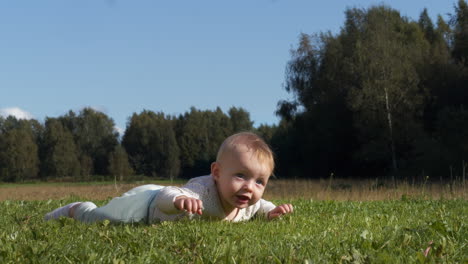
x,y
233,191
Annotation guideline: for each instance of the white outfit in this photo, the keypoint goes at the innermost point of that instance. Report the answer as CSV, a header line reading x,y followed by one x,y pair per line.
x,y
153,203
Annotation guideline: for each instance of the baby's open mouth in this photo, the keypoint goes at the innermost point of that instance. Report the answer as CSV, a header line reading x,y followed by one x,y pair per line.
x,y
243,198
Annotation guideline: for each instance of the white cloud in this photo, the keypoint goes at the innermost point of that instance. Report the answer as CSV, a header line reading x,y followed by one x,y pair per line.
x,y
119,130
16,112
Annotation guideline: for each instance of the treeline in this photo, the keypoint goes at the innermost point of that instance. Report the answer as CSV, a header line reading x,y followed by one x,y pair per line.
x,y
86,146
387,96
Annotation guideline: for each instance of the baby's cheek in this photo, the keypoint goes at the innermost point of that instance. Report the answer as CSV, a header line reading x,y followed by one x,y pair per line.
x,y
255,200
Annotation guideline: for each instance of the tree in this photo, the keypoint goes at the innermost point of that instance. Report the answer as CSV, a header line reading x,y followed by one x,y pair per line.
x,y
317,124
86,165
151,145
437,74
446,81
193,141
366,100
199,135
443,29
240,119
266,132
460,23
118,163
61,156
95,136
19,158
427,26
301,75
388,101
453,132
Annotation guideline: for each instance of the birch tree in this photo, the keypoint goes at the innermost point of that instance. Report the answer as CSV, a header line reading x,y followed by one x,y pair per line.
x,y
388,101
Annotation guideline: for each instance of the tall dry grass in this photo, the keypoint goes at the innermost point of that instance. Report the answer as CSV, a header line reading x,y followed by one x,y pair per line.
x,y
325,189
362,190
63,191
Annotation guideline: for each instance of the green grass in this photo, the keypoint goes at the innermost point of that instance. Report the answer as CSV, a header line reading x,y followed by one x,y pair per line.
x,y
318,232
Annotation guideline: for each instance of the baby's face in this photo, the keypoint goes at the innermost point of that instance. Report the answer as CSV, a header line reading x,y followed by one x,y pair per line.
x,y
240,178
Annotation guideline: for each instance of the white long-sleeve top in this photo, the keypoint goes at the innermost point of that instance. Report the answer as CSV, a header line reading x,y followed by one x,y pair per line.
x,y
204,188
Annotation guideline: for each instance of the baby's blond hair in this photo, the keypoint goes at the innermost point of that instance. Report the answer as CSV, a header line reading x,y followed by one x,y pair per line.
x,y
253,142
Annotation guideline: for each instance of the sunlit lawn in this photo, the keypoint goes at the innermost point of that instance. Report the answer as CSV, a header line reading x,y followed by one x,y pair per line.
x,y
391,231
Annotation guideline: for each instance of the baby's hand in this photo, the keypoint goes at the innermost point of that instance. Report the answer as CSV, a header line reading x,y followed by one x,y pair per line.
x,y
280,210
191,205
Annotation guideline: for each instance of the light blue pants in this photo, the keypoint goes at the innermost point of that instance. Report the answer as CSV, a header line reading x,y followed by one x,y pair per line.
x,y
131,207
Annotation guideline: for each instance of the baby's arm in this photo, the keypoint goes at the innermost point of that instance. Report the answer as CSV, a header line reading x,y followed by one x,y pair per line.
x,y
173,200
271,211
189,204
280,210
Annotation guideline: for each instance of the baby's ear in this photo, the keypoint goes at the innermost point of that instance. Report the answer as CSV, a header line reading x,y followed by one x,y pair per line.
x,y
215,170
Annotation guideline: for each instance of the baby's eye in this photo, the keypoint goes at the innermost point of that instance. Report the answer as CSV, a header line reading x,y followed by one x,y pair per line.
x,y
261,182
240,175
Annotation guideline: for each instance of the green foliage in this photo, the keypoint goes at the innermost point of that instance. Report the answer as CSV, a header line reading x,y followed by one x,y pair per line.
x,y
118,163
151,145
460,22
200,133
452,135
426,25
318,232
266,132
240,120
19,159
315,137
86,166
86,144
387,101
197,147
367,101
59,151
96,137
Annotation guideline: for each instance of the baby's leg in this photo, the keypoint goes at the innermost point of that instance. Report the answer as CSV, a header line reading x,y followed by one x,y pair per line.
x,y
88,212
141,188
63,211
129,208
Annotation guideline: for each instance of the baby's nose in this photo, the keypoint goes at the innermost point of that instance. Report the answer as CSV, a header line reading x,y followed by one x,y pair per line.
x,y
249,185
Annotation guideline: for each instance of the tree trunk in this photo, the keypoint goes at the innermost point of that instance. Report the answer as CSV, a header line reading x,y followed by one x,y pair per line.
x,y
390,127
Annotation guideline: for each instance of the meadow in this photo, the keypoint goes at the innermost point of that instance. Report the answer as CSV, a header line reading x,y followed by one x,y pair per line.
x,y
334,222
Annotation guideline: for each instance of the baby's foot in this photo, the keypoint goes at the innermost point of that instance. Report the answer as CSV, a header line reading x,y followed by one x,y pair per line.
x,y
59,212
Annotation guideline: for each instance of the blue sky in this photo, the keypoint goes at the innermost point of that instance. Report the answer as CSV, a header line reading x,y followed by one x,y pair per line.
x,y
121,57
